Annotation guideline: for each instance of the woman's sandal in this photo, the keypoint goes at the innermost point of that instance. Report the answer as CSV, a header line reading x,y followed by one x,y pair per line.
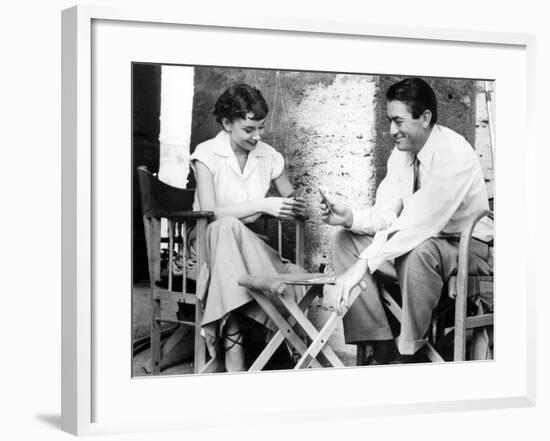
x,y
236,341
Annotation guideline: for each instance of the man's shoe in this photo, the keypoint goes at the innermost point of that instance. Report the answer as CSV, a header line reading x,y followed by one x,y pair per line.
x,y
413,358
384,351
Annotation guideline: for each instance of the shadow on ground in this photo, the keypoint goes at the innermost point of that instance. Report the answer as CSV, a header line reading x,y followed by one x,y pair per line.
x,y
52,420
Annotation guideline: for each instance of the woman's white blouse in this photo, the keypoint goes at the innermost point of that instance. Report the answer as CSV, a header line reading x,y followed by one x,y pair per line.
x,y
230,185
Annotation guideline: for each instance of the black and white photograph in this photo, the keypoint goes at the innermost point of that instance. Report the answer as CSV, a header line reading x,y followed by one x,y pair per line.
x,y
289,219
275,220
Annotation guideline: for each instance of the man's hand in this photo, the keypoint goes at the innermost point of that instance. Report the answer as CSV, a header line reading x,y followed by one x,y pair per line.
x,y
334,213
345,283
337,214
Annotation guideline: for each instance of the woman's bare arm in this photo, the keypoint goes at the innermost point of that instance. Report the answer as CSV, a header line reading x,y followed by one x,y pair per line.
x,y
278,207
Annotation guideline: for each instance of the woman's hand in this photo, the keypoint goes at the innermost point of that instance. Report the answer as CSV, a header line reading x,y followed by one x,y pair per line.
x,y
282,208
345,283
300,206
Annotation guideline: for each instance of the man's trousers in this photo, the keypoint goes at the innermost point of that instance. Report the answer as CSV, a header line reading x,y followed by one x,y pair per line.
x,y
421,275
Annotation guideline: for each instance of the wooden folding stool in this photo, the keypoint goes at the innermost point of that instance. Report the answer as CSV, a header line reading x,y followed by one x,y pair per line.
x,y
265,289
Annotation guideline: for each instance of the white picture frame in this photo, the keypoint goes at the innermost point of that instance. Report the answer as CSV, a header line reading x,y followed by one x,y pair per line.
x,y
83,383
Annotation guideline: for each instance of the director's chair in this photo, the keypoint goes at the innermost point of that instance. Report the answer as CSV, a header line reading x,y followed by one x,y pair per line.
x,y
161,201
463,290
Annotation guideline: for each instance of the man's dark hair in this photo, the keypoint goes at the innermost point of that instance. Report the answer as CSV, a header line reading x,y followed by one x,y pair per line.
x,y
239,100
417,94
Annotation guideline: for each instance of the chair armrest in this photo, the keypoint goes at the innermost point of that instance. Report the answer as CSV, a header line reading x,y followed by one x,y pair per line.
x,y
465,238
186,215
276,283
472,222
459,282
268,217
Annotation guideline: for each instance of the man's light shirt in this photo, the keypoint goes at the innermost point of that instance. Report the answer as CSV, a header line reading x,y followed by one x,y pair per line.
x,y
452,189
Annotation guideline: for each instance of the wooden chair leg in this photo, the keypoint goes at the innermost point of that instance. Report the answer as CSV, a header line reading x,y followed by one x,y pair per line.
x,y
319,338
460,321
278,338
152,234
429,351
281,323
174,340
200,346
155,337
319,343
213,365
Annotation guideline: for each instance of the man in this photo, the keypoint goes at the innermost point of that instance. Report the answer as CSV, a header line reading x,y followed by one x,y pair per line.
x,y
434,182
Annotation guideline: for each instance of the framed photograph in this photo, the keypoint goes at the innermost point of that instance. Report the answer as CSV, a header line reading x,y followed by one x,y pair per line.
x,y
139,89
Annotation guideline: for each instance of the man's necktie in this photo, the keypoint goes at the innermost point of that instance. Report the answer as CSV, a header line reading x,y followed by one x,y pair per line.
x,y
416,180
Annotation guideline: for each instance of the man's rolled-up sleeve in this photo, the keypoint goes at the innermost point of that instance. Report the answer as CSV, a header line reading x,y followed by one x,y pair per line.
x,y
386,209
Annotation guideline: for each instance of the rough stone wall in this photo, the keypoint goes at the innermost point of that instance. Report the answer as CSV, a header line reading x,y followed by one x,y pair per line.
x,y
332,147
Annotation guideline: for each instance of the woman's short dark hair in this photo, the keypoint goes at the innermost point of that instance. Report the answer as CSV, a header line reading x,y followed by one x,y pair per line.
x,y
417,94
238,101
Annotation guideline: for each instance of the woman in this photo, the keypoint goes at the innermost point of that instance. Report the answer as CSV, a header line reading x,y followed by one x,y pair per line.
x,y
234,171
